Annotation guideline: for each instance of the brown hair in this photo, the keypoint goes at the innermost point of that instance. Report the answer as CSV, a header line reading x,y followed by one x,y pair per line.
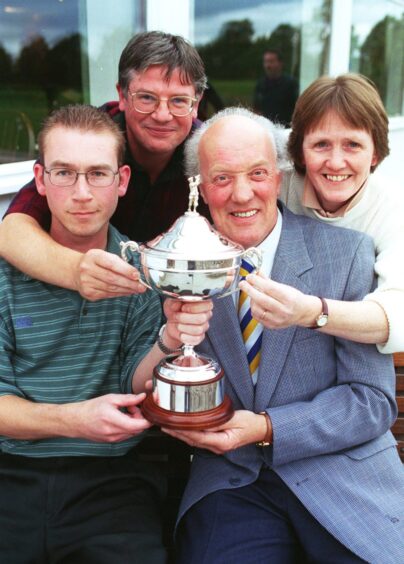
x,y
356,101
83,118
159,48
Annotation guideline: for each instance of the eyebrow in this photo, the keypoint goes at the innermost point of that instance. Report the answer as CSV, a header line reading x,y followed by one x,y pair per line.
x,y
353,133
158,95
64,164
217,168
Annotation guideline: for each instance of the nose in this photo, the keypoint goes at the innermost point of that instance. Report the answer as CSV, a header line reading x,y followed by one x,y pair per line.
x,y
242,191
82,190
162,113
336,158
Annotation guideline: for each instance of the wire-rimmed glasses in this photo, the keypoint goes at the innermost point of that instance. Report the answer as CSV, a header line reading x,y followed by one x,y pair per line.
x,y
147,103
65,177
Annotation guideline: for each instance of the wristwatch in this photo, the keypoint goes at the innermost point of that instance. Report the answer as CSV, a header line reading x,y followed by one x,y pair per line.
x,y
162,346
265,442
322,319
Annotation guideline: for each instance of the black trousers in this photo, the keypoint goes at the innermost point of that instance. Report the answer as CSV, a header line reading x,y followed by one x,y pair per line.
x,y
73,510
263,523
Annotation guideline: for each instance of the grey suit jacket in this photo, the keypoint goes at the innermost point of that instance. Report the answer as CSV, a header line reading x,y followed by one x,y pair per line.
x,y
331,401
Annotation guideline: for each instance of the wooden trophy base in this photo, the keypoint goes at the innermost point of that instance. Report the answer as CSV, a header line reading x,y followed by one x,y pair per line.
x,y
187,421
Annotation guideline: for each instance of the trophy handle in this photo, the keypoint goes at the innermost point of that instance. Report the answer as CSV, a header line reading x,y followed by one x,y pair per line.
x,y
134,248
255,257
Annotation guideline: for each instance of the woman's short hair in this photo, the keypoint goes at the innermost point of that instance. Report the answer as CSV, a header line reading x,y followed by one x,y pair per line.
x,y
353,98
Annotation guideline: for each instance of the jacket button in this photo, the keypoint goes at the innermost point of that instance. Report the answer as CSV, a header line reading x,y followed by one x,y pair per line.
x,y
234,481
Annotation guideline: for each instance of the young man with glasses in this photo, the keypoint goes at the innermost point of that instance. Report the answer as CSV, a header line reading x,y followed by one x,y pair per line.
x,y
72,373
161,80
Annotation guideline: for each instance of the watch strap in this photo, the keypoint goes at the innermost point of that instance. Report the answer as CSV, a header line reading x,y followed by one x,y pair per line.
x,y
265,443
323,314
162,346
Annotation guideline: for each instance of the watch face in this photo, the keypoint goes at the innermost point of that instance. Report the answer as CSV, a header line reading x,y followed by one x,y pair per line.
x,y
322,320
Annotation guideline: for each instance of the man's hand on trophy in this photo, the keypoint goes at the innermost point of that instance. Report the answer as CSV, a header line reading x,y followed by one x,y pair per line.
x,y
244,428
187,322
104,275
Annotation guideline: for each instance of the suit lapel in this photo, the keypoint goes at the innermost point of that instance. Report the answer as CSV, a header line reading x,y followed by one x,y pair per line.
x,y
291,262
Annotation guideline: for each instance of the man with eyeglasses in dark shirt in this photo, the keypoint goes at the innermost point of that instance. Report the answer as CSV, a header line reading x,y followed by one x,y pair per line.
x,y
161,80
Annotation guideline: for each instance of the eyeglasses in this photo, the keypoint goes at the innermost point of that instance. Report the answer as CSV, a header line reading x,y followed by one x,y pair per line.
x,y
98,178
147,103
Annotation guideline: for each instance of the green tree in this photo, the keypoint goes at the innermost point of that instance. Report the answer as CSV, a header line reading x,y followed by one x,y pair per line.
x,y
64,60
6,65
237,32
373,55
229,55
32,62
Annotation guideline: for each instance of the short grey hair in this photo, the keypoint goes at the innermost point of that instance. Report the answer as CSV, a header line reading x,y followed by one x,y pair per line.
x,y
277,135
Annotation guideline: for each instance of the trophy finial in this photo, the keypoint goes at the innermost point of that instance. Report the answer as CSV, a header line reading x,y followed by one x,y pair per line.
x,y
194,182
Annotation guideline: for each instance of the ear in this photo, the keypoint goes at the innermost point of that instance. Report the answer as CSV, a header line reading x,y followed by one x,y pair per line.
x,y
124,177
375,159
39,178
194,112
122,99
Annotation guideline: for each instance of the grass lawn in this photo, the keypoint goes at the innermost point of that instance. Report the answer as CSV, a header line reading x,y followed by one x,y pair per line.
x,y
235,92
22,111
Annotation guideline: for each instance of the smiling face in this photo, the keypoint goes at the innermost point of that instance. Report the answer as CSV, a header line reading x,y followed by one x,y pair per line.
x,y
240,181
80,213
338,160
158,133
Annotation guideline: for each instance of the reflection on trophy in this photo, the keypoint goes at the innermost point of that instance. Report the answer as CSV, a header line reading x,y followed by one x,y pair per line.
x,y
190,262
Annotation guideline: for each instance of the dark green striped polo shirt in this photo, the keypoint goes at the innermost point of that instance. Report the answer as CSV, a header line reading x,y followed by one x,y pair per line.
x,y
57,347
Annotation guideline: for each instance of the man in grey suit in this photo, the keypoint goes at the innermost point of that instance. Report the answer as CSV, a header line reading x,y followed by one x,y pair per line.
x,y
306,470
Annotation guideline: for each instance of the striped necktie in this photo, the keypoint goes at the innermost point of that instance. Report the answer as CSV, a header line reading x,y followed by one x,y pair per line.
x,y
250,328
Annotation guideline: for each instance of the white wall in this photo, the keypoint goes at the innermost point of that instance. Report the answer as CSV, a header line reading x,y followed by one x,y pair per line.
x,y
12,177
171,16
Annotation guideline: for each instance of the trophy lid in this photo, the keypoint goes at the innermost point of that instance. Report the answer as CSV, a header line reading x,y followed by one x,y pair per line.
x,y
192,237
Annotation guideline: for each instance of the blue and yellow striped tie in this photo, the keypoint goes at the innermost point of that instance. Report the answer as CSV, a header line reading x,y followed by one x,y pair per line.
x,y
250,328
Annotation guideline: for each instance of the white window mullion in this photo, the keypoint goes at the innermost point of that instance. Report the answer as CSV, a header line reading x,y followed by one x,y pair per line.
x,y
340,43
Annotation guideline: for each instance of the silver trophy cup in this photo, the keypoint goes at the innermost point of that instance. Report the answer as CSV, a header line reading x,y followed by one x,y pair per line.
x,y
190,262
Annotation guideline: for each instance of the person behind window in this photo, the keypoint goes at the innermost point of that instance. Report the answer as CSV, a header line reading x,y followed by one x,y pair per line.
x,y
275,93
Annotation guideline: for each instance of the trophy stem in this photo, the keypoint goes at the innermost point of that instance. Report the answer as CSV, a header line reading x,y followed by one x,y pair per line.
x,y
188,350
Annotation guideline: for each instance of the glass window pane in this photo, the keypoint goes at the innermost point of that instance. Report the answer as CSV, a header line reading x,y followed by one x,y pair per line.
x,y
47,60
377,48
232,35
